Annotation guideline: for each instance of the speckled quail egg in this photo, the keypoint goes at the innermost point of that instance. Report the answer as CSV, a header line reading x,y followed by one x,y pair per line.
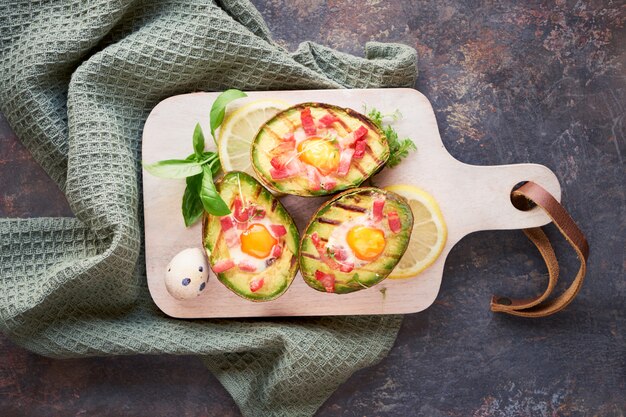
x,y
187,274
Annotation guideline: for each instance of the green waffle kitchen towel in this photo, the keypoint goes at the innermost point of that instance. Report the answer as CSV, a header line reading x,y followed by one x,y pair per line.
x,y
77,81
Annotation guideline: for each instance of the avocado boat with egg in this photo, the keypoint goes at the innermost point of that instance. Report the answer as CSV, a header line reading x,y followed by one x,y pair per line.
x,y
355,240
253,250
314,149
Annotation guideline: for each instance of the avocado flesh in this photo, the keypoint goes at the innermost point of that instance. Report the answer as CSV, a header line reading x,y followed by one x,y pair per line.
x,y
345,207
271,133
279,275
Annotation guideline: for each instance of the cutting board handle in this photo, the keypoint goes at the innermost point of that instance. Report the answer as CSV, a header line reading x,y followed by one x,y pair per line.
x,y
487,196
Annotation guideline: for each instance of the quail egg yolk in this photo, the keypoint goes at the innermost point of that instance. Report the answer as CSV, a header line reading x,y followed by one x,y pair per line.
x,y
257,241
366,242
319,153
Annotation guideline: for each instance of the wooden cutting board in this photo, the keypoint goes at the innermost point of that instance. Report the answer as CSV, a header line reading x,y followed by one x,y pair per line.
x,y
471,198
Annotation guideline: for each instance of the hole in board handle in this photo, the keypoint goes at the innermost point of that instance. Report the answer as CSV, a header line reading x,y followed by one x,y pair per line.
x,y
519,202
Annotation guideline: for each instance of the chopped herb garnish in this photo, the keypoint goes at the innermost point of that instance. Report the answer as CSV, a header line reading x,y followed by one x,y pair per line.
x,y
398,148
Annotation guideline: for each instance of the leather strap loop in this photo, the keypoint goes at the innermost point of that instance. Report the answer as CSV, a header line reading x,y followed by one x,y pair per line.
x,y
540,306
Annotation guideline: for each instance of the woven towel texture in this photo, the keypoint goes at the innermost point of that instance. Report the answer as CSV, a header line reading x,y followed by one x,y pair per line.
x,y
77,81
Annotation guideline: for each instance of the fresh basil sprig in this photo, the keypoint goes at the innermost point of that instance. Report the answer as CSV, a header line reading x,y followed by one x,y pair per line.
x,y
199,168
218,110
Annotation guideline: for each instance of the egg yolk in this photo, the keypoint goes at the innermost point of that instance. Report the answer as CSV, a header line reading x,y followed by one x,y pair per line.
x,y
320,153
257,241
366,242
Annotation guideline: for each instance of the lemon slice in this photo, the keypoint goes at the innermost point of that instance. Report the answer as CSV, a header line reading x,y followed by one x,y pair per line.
x,y
239,129
428,236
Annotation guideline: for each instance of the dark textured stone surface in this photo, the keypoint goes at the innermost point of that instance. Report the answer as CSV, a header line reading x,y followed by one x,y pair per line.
x,y
510,82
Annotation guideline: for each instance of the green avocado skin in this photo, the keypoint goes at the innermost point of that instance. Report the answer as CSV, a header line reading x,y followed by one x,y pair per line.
x,y
263,142
277,277
344,207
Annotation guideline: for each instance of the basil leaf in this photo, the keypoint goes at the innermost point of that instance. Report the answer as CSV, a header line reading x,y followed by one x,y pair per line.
x,y
218,109
198,141
192,205
211,200
216,166
174,168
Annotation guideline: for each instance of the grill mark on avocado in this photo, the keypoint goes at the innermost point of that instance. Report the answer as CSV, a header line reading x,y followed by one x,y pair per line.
x,y
274,204
270,132
310,256
369,151
351,207
288,121
358,167
340,121
328,221
258,192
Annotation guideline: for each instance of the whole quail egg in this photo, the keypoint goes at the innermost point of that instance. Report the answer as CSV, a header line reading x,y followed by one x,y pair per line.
x,y
187,274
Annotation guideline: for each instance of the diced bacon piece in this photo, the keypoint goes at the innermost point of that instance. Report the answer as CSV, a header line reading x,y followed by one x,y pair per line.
x,y
356,135
327,280
315,238
340,257
278,230
346,266
227,223
314,178
359,148
289,170
360,133
280,161
340,253
345,158
223,265
246,266
240,213
328,119
230,234
285,146
232,238
329,183
256,212
321,250
279,174
256,284
377,210
308,124
394,221
276,251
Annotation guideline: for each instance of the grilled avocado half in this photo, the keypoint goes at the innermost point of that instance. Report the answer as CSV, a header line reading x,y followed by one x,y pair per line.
x,y
253,250
314,149
355,240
